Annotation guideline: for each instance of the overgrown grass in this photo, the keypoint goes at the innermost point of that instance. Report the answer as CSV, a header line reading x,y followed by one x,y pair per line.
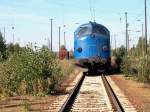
x,y
32,72
136,63
144,69
25,107
137,67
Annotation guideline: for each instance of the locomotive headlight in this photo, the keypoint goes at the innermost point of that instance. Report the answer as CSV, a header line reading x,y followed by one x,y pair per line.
x,y
92,36
79,49
105,48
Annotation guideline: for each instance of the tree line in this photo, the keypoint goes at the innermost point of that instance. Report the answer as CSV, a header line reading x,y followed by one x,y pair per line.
x,y
135,63
29,70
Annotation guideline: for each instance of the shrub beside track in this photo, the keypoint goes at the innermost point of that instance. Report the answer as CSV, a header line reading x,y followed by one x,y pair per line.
x,y
30,72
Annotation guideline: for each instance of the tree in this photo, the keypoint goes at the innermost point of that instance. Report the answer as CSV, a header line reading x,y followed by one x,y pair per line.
x,y
2,47
44,47
141,45
119,55
13,48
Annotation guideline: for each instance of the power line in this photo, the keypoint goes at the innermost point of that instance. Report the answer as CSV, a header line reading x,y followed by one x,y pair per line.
x,y
137,17
90,6
92,10
94,13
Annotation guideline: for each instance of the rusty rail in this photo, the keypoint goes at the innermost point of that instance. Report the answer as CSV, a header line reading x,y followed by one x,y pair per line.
x,y
70,100
113,98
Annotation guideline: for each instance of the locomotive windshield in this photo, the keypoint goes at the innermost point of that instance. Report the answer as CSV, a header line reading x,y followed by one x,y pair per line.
x,y
99,30
91,28
84,30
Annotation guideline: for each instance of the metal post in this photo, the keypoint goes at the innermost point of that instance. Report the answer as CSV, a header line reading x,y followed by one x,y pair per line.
x,y
59,37
142,40
4,33
111,39
115,42
13,34
48,43
126,32
51,34
145,28
65,39
128,42
142,31
64,36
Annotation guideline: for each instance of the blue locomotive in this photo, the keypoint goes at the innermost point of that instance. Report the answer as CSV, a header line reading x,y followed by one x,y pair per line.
x,y
92,46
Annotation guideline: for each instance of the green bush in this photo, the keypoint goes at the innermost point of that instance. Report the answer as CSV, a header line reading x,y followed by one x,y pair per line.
x,y
29,72
126,65
2,48
138,67
118,56
137,63
144,69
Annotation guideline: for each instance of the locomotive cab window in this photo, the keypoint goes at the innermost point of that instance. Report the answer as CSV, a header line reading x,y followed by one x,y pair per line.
x,y
99,30
83,31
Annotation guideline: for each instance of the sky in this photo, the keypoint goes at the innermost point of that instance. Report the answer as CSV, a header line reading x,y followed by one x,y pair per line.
x,y
31,19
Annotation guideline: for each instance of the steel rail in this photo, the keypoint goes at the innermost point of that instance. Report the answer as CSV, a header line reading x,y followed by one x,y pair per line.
x,y
70,100
113,98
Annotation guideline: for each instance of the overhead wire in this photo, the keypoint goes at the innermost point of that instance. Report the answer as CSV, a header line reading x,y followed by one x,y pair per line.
x,y
94,10
90,8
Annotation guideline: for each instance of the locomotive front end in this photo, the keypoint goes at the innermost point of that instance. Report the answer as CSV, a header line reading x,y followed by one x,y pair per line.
x,y
91,45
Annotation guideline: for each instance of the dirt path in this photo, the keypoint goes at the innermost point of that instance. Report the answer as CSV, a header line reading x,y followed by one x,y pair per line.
x,y
138,93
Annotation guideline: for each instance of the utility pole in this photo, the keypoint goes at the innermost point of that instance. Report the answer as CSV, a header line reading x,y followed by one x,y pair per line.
x,y
13,34
143,40
145,27
142,31
64,36
128,42
126,32
115,42
51,34
4,33
65,39
59,37
111,39
48,43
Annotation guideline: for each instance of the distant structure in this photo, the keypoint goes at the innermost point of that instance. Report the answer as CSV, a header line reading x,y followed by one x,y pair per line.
x,y
62,52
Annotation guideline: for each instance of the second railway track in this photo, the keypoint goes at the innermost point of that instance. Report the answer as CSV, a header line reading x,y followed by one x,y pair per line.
x,y
93,94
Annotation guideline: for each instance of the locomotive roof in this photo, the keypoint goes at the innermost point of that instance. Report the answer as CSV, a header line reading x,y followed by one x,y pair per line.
x,y
93,24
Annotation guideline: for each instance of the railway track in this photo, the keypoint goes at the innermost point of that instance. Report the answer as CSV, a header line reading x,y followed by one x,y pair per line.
x,y
86,94
94,94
